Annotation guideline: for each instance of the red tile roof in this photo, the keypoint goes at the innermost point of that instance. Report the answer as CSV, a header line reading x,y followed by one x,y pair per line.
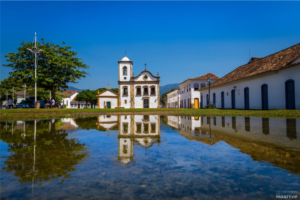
x,y
277,61
203,77
206,76
67,93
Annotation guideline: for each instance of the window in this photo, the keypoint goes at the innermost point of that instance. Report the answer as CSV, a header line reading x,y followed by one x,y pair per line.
x,y
125,91
196,86
145,77
203,85
125,128
146,117
146,128
145,91
152,90
153,128
138,91
125,147
124,71
139,128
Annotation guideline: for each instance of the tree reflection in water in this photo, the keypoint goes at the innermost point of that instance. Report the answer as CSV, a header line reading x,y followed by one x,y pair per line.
x,y
42,153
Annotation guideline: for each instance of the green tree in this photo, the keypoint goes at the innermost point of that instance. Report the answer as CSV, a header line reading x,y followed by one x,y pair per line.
x,y
88,96
57,66
164,98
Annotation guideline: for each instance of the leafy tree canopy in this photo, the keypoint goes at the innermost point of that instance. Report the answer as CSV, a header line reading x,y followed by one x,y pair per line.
x,y
57,66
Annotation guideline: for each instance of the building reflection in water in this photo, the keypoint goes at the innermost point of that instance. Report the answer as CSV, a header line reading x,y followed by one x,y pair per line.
x,y
265,126
274,130
291,129
143,130
264,139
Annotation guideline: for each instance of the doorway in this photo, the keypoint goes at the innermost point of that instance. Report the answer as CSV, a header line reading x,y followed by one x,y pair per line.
x,y
146,103
264,97
233,99
196,102
108,104
246,96
222,100
290,94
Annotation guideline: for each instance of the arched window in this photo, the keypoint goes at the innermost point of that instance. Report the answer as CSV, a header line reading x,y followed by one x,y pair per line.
x,y
203,85
125,91
124,71
138,91
152,89
145,90
196,86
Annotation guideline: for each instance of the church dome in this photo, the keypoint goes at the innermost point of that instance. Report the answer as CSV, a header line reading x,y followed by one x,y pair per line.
x,y
125,58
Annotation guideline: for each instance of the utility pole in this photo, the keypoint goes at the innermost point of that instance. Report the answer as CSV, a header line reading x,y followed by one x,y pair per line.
x,y
36,51
6,98
13,94
24,86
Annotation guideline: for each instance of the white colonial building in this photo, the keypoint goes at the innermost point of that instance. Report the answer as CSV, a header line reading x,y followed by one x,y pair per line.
x,y
141,91
173,99
271,82
68,97
189,93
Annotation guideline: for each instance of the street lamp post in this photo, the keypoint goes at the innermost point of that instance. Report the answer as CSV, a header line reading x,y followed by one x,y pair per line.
x,y
209,81
36,51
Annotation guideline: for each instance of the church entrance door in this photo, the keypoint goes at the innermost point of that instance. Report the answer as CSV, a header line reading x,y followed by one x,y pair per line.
x,y
146,103
107,104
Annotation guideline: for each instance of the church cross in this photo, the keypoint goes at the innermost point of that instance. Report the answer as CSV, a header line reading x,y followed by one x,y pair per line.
x,y
145,65
107,86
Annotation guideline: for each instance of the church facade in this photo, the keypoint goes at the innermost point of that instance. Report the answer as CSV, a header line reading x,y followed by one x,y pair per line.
x,y
141,91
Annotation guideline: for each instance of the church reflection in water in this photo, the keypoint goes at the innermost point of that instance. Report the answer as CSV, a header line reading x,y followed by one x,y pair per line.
x,y
143,130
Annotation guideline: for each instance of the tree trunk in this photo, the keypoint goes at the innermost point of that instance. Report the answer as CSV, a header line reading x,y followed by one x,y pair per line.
x,y
53,94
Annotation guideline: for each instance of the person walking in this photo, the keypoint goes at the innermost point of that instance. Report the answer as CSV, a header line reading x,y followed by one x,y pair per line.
x,y
10,103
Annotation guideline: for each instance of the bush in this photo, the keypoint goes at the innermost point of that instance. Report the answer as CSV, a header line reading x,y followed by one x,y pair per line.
x,y
64,106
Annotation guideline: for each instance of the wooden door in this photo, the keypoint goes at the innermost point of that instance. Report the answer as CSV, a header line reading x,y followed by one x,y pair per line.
x,y
233,99
246,98
290,94
264,97
107,104
196,102
146,103
222,100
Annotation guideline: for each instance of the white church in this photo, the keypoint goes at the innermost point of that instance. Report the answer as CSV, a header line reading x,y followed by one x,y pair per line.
x,y
141,91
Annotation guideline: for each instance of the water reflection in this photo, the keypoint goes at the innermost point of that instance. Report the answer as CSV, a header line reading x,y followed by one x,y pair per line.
x,y
141,157
143,130
269,143
40,151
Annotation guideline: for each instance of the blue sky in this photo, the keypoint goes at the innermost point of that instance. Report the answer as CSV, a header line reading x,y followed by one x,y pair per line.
x,y
177,39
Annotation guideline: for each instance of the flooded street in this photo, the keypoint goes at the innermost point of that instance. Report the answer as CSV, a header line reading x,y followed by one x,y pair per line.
x,y
150,157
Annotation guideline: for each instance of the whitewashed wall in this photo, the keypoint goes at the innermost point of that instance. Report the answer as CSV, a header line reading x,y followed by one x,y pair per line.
x,y
122,78
113,102
150,77
276,90
153,100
